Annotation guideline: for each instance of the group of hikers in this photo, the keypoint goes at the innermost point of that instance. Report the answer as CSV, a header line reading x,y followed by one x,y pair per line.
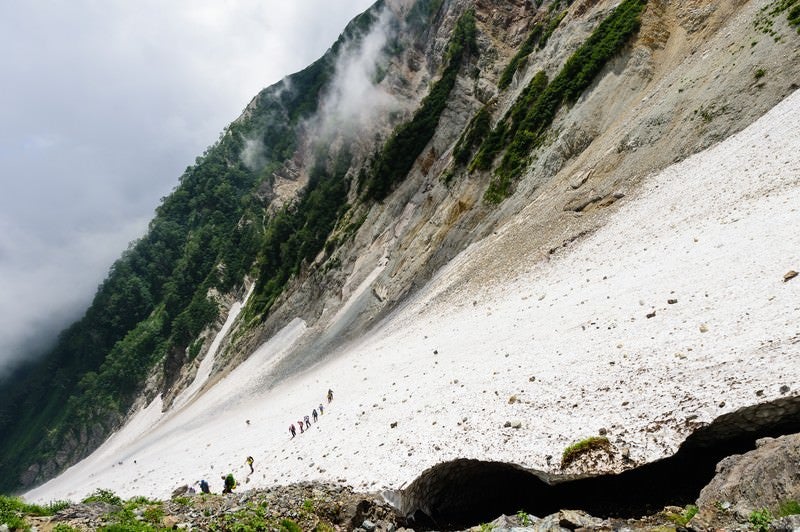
x,y
305,423
229,482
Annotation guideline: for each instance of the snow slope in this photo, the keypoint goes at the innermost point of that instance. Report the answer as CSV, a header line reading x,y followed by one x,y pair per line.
x,y
568,338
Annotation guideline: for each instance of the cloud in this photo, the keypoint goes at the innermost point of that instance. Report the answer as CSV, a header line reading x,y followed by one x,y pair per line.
x,y
252,155
356,97
104,105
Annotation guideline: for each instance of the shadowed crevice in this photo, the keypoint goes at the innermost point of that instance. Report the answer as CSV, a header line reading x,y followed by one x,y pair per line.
x,y
465,492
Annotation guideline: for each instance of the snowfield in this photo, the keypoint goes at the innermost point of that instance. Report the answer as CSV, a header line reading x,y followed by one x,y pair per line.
x,y
560,351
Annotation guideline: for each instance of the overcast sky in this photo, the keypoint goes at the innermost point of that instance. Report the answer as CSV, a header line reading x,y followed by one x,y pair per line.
x,y
103,105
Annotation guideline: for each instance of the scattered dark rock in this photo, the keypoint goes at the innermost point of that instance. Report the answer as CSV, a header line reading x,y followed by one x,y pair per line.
x,y
791,274
603,431
671,301
393,424
180,491
651,314
577,181
505,522
574,519
784,389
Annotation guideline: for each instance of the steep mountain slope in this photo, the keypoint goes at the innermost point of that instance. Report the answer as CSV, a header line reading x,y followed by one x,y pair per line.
x,y
519,368
340,192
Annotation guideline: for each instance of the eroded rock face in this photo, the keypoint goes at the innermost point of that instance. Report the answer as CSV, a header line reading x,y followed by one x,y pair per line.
x,y
763,478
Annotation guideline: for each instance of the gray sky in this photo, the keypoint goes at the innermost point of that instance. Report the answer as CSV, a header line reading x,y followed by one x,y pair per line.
x,y
103,105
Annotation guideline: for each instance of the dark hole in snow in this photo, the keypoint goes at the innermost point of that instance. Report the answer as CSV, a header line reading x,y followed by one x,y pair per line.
x,y
464,492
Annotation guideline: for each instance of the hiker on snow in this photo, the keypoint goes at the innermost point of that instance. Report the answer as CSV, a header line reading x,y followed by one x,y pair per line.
x,y
300,422
330,395
308,423
292,430
249,462
230,483
204,486
320,409
314,415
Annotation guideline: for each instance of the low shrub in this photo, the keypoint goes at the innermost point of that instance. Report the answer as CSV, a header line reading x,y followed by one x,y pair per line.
x,y
103,495
575,450
760,519
287,525
12,510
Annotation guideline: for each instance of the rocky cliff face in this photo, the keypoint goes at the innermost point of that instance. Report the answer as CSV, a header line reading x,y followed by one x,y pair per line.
x,y
695,73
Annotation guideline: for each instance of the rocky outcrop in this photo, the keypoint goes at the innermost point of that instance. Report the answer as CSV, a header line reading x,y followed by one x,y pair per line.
x,y
767,477
77,444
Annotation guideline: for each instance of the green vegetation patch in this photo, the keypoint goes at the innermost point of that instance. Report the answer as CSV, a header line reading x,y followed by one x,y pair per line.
x,y
472,137
550,28
760,519
577,449
765,21
684,517
103,495
62,527
408,140
537,38
13,510
524,51
789,508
